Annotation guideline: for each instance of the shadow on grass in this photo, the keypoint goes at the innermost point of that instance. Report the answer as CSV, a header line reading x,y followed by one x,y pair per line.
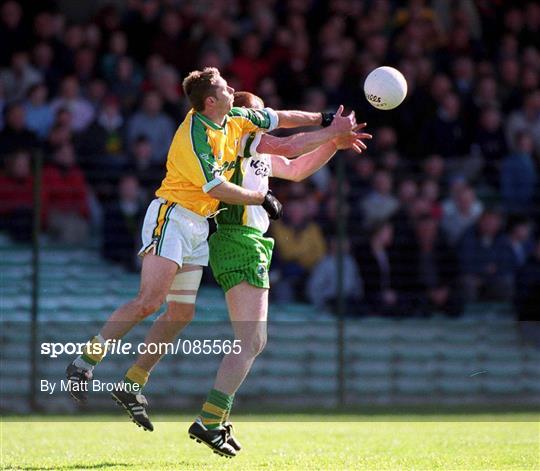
x,y
104,465
367,413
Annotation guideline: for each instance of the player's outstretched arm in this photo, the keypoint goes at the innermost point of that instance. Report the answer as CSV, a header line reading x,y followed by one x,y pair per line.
x,y
297,119
304,142
307,164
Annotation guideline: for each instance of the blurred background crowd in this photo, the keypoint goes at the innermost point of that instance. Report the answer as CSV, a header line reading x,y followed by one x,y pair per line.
x,y
441,210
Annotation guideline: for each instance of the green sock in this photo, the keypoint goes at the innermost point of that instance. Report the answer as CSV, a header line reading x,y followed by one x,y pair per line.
x,y
216,408
228,411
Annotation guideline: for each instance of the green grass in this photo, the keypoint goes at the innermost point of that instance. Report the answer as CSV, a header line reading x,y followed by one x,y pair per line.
x,y
437,442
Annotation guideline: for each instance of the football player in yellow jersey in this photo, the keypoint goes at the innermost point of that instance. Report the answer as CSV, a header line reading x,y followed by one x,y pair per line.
x,y
201,159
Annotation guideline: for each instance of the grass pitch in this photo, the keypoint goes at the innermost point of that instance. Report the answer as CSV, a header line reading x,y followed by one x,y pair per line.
x,y
280,442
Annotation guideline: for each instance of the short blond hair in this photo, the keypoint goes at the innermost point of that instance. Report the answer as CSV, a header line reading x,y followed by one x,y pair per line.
x,y
199,85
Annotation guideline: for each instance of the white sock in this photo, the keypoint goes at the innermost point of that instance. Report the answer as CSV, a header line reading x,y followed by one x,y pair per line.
x,y
84,365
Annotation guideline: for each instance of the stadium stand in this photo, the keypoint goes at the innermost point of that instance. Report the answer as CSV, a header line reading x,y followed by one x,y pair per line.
x,y
470,360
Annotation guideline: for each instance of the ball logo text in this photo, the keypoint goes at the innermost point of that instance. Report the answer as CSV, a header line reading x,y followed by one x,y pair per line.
x,y
374,98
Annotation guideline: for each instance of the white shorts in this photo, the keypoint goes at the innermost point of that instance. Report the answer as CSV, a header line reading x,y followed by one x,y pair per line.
x,y
174,232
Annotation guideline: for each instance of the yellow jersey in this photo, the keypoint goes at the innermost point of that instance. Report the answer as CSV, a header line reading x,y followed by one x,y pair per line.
x,y
204,154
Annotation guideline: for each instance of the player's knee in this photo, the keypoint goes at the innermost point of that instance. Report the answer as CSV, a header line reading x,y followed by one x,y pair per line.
x,y
255,345
177,312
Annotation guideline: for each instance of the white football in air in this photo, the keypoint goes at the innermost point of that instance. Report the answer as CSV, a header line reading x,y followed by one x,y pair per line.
x,y
385,88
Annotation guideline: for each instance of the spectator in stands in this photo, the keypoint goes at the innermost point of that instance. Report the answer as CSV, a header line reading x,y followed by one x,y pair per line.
x,y
460,211
485,95
153,67
437,270
84,66
67,197
527,297
430,191
360,175
13,31
314,99
379,203
333,83
407,191
141,24
530,80
440,87
532,24
322,287
170,39
463,72
376,268
327,213
518,176
43,60
16,196
70,98
123,218
300,245
446,134
73,40
393,162
20,77
168,84
249,66
433,167
151,122
525,119
479,253
39,115
490,143
102,142
15,134
117,49
101,151
517,246
217,45
96,92
308,51
404,222
509,81
148,173
385,141
126,83
48,28
60,133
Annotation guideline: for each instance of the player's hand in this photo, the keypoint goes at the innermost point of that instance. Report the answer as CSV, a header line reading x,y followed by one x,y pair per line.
x,y
272,206
353,140
343,124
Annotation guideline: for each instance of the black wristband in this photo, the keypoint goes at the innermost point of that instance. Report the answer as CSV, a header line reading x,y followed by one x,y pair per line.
x,y
326,119
272,206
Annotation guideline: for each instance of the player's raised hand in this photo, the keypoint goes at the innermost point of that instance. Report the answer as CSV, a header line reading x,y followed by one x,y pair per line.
x,y
343,124
353,140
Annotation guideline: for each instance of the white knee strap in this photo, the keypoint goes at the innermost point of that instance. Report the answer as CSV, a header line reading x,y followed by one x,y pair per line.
x,y
185,285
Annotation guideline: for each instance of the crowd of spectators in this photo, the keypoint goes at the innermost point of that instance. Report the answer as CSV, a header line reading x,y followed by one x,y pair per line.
x,y
441,210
